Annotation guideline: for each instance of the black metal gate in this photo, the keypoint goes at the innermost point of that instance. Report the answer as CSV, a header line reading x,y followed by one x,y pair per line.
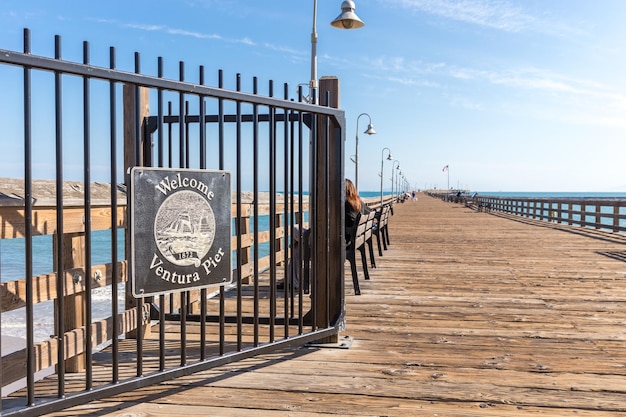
x,y
81,128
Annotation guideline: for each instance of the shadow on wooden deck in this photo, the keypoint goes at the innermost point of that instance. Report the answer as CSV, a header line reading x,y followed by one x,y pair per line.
x,y
466,314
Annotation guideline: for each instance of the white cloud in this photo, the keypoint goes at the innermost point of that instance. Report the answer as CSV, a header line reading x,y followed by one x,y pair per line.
x,y
495,14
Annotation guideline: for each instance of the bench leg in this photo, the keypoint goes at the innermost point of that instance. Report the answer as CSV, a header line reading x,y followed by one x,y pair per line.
x,y
364,262
371,249
355,277
383,237
380,248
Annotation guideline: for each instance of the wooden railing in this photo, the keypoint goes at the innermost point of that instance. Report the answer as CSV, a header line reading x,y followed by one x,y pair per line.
x,y
13,294
597,213
607,214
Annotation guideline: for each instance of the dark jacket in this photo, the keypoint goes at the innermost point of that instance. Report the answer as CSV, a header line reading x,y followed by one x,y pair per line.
x,y
352,218
351,221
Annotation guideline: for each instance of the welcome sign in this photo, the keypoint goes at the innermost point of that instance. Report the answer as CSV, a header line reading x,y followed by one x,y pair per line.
x,y
180,233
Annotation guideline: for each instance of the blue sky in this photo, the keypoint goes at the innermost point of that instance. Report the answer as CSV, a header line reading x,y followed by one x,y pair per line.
x,y
511,95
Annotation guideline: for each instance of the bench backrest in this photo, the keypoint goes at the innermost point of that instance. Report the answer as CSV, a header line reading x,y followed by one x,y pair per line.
x,y
369,227
359,239
384,217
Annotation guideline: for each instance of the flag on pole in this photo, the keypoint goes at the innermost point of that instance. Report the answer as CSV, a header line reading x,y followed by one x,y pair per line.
x,y
445,168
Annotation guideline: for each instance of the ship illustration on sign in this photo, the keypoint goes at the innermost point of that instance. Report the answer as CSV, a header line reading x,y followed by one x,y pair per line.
x,y
184,228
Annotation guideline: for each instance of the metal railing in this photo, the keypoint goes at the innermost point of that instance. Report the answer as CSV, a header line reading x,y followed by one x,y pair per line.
x,y
82,127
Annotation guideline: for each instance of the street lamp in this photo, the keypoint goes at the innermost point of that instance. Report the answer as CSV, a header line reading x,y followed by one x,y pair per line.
x,y
370,131
393,165
346,20
382,162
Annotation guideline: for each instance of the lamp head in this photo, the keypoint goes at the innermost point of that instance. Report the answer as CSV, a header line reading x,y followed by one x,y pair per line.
x,y
389,158
370,129
347,19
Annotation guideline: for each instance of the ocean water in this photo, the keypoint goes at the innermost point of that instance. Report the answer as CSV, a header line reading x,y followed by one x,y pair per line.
x,y
370,194
12,267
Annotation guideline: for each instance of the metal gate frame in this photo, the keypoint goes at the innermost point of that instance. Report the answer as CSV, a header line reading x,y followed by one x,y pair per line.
x,y
272,120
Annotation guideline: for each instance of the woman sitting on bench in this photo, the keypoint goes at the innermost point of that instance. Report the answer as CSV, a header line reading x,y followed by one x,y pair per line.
x,y
353,207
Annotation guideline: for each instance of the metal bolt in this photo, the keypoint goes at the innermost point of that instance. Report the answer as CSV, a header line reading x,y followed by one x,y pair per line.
x,y
97,275
77,278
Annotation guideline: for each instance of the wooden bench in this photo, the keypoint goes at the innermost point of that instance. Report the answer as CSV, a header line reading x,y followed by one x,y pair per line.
x,y
381,231
369,234
361,237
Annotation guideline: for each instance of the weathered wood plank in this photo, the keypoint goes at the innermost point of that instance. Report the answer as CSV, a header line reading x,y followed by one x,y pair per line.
x,y
44,220
466,314
13,293
46,352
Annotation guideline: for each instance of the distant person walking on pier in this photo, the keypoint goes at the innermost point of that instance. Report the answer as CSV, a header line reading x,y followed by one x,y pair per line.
x,y
414,196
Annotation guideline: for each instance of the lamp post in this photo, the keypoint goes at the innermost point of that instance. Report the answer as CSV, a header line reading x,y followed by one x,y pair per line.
x,y
346,20
370,131
382,162
398,175
393,165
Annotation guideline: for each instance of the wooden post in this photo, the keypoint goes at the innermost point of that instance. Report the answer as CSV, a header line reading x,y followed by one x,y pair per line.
x,y
243,228
280,247
134,157
74,304
329,175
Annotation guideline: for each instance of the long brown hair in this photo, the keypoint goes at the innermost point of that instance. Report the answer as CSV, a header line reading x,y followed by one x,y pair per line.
x,y
352,196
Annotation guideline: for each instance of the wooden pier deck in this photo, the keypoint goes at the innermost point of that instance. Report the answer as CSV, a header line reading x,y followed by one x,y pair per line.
x,y
467,314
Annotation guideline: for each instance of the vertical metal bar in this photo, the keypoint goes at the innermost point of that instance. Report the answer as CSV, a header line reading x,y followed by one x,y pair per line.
x,y
183,327
313,149
28,225
161,332
183,164
87,214
160,114
60,331
187,126
272,211
255,208
138,160
285,221
202,122
301,207
203,291
170,145
295,268
114,255
220,105
327,290
160,159
239,219
181,119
